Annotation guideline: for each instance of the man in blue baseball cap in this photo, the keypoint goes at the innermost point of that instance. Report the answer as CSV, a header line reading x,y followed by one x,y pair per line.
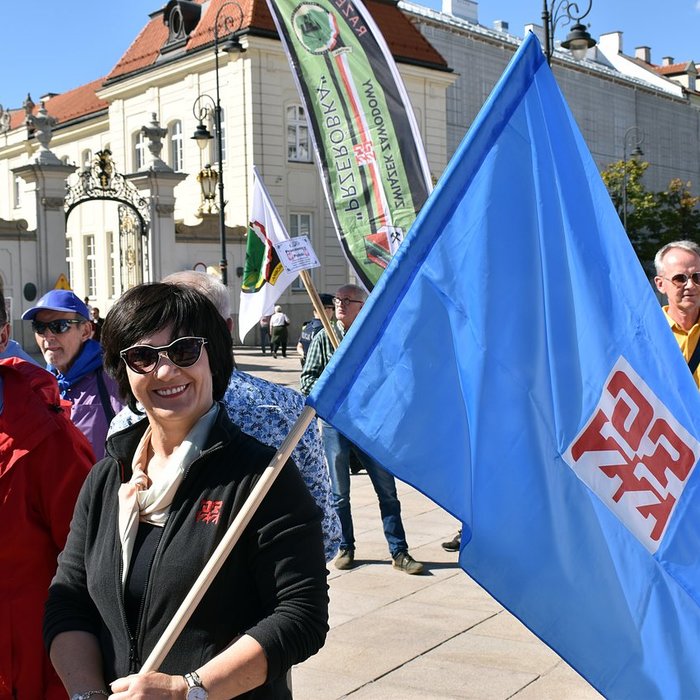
x,y
63,332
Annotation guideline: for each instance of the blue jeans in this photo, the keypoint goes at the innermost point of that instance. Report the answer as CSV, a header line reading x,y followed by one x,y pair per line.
x,y
337,448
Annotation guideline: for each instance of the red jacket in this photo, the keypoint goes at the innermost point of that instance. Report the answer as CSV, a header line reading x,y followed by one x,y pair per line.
x,y
44,459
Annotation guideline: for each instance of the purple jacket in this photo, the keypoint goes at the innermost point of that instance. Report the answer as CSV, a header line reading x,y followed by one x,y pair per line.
x,y
87,412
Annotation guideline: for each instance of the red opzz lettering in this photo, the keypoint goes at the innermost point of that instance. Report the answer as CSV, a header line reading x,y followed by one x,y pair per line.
x,y
635,455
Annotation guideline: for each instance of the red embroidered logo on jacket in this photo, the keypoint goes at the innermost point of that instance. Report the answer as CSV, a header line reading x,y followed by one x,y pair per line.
x,y
634,455
209,512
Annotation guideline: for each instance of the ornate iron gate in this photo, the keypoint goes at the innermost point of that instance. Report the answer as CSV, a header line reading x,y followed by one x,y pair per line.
x,y
100,181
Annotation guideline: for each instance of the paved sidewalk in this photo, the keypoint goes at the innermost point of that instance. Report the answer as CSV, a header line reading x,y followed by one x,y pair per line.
x,y
435,636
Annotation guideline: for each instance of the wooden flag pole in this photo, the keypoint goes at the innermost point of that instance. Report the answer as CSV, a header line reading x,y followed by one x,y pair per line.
x,y
318,306
213,566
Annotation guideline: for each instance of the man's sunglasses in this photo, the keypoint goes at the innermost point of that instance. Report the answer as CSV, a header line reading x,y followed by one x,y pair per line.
x,y
681,279
57,327
183,352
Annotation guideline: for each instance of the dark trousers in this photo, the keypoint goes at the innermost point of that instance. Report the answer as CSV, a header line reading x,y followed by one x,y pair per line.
x,y
264,338
279,340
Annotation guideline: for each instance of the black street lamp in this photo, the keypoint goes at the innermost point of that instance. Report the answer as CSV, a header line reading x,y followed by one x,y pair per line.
x,y
202,110
578,40
638,135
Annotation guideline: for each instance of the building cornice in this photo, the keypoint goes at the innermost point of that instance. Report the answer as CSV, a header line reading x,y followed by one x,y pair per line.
x,y
511,42
161,74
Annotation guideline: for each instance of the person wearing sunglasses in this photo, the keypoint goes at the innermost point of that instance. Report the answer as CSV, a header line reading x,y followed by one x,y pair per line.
x,y
152,512
264,410
678,278
63,333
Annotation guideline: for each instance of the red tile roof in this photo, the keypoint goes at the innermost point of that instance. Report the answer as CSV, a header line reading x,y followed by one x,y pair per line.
x,y
674,68
69,105
405,41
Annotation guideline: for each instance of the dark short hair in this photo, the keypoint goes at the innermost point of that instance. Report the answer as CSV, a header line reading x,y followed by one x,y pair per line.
x,y
147,309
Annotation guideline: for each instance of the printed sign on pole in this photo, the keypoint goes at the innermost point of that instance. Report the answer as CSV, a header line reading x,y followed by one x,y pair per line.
x,y
296,254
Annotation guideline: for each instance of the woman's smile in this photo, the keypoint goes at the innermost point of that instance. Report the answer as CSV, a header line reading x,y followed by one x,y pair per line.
x,y
171,390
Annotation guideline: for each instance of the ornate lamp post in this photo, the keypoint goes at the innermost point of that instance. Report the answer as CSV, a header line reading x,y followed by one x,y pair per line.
x,y
205,105
637,135
578,40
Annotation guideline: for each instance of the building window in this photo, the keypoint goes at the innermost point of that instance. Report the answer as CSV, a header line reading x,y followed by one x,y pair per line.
x,y
70,260
113,264
139,142
17,192
299,225
86,159
90,266
298,145
176,146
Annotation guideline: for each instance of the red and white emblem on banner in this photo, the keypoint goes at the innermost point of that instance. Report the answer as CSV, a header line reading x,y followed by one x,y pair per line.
x,y
364,153
634,455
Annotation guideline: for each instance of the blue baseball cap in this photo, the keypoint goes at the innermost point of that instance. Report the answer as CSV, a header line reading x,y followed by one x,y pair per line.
x,y
58,300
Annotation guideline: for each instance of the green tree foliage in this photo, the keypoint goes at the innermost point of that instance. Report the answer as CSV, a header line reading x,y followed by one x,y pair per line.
x,y
653,218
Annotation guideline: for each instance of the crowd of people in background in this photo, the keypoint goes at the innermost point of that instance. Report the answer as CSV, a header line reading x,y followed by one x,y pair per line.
x,y
140,438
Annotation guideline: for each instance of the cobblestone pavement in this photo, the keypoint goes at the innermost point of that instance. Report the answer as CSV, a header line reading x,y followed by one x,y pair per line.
x,y
435,636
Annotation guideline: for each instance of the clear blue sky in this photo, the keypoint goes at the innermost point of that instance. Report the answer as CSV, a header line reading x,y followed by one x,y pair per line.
x,y
50,46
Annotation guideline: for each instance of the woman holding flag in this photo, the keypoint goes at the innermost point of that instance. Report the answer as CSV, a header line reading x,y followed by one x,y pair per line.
x,y
151,513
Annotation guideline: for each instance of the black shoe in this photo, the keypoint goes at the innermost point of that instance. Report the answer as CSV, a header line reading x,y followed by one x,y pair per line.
x,y
453,544
355,464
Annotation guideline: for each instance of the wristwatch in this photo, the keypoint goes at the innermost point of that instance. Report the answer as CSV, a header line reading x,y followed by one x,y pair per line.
x,y
195,689
88,694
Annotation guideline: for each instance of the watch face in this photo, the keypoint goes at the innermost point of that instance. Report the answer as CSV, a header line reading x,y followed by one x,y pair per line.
x,y
197,694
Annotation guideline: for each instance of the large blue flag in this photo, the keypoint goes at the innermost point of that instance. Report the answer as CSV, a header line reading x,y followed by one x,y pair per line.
x,y
514,365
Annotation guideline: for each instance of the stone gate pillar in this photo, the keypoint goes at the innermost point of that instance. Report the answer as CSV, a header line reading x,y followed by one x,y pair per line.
x,y
46,179
157,188
157,185
47,185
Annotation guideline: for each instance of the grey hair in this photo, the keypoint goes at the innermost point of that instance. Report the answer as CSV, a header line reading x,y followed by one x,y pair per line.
x,y
690,246
359,292
209,285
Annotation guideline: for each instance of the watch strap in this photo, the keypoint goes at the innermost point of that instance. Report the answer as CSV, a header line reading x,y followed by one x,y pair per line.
x,y
195,687
193,680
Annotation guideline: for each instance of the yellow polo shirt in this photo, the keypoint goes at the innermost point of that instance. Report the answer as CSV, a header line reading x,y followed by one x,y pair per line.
x,y
687,341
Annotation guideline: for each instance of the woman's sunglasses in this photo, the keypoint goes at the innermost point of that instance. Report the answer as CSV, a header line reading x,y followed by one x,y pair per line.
x,y
183,352
57,327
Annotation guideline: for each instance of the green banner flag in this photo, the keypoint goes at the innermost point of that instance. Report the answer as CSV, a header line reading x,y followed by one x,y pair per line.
x,y
374,170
